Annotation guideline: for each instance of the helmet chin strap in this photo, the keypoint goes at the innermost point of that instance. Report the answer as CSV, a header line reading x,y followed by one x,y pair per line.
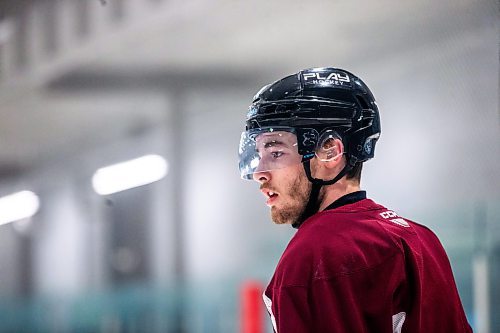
x,y
313,203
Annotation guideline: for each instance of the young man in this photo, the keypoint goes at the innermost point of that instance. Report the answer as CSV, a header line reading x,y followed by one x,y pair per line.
x,y
353,265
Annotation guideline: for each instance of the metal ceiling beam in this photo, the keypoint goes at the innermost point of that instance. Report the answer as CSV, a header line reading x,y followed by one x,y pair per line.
x,y
126,79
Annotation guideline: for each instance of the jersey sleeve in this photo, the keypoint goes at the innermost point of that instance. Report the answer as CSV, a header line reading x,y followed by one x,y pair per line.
x,y
289,309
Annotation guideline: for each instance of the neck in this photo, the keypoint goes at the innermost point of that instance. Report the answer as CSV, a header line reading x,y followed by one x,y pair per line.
x,y
330,193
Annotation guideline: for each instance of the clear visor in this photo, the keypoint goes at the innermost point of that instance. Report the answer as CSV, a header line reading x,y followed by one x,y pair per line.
x,y
267,149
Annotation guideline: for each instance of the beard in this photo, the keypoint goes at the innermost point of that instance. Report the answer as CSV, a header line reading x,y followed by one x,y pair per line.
x,y
298,195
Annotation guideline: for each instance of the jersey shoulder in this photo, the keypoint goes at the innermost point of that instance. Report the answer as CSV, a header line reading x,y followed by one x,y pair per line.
x,y
344,240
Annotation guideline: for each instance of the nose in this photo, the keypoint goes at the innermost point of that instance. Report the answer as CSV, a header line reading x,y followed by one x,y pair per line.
x,y
261,176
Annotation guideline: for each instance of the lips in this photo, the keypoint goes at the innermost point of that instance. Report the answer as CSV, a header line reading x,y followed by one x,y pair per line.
x,y
270,195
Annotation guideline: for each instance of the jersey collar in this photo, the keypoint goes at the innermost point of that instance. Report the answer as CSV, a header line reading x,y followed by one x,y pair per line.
x,y
347,199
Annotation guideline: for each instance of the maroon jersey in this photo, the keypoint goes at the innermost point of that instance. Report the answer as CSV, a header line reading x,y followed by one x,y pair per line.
x,y
361,268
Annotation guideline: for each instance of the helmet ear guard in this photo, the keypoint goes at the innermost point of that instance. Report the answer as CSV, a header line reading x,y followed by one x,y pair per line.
x,y
326,150
311,143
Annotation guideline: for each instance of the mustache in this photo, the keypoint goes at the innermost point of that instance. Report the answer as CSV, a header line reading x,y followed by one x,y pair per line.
x,y
267,187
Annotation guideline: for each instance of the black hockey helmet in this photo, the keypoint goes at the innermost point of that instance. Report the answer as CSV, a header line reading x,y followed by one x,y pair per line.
x,y
312,104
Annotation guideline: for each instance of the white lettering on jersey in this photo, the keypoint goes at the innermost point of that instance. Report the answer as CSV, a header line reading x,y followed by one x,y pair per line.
x,y
269,305
398,220
397,322
388,214
401,222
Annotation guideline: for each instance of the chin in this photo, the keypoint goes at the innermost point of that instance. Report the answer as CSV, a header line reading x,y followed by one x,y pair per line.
x,y
282,217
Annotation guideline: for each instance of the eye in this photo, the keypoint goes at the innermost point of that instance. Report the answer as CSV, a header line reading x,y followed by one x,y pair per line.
x,y
276,154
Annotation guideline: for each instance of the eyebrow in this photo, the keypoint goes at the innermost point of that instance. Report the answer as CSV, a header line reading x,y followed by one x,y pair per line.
x,y
273,143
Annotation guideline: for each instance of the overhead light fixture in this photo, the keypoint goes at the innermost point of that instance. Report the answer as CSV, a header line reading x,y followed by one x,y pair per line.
x,y
18,206
129,174
6,30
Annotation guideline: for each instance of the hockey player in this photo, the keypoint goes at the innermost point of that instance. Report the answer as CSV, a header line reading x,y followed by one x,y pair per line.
x,y
353,265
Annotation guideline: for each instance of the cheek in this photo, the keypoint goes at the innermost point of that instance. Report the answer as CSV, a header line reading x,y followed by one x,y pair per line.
x,y
298,188
291,179
291,182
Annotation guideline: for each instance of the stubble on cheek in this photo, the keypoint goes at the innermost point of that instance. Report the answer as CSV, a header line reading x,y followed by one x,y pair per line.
x,y
297,197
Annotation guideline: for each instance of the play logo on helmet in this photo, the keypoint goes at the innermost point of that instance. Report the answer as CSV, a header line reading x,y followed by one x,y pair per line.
x,y
326,78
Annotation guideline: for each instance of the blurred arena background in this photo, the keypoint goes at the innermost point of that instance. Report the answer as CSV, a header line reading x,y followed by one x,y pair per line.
x,y
85,84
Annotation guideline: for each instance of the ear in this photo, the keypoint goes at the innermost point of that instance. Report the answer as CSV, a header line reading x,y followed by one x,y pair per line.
x,y
330,151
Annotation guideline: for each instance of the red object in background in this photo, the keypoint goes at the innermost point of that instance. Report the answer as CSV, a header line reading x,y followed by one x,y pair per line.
x,y
251,307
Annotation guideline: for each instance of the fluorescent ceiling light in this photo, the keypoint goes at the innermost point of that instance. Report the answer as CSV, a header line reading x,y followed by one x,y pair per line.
x,y
126,175
18,206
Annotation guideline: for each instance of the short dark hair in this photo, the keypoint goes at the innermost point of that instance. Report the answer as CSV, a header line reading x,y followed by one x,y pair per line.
x,y
355,172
